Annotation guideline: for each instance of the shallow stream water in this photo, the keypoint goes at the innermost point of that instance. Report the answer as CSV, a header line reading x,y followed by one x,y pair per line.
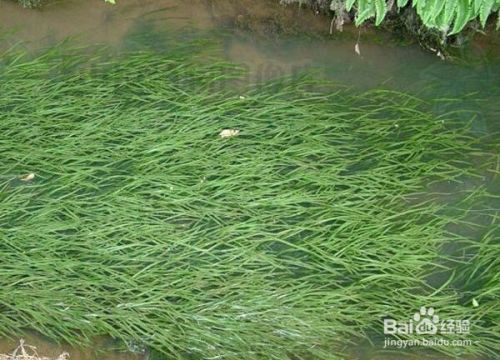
x,y
270,41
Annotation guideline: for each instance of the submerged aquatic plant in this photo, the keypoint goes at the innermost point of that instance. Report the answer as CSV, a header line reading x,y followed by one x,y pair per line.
x,y
293,239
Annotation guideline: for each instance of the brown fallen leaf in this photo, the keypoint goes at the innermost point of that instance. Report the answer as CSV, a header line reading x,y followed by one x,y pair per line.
x,y
226,133
27,177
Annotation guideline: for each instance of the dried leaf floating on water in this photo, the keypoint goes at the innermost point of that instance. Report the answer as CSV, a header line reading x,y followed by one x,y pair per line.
x,y
227,133
356,49
27,177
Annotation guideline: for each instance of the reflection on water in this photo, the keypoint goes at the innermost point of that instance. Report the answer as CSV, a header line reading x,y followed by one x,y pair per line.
x,y
97,22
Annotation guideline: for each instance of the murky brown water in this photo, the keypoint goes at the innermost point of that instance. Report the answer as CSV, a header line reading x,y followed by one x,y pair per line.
x,y
96,22
269,39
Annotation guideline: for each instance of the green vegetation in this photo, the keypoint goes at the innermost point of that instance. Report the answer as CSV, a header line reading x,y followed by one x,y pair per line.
x,y
293,239
449,16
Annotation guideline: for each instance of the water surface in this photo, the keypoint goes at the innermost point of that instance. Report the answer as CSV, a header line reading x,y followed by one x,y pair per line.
x,y
270,41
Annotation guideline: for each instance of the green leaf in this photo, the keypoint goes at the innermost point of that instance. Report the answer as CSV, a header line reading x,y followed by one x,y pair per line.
x,y
435,7
362,5
462,16
448,14
365,11
402,3
485,11
419,3
423,9
349,4
361,18
381,10
477,5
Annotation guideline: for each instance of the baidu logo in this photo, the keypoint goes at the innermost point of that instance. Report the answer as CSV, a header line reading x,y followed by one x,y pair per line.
x,y
426,321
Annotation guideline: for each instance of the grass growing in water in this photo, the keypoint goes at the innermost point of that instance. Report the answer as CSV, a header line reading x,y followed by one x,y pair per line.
x,y
291,240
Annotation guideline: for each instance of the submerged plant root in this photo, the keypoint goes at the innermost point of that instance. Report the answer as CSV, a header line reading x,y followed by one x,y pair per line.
x,y
27,352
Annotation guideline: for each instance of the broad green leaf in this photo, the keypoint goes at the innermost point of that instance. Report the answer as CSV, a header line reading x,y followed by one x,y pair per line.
x,y
419,3
442,14
362,5
349,4
366,14
361,18
485,11
423,9
462,16
478,4
365,11
435,7
448,14
381,10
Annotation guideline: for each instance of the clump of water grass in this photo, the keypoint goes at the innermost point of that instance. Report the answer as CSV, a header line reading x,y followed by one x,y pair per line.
x,y
292,239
